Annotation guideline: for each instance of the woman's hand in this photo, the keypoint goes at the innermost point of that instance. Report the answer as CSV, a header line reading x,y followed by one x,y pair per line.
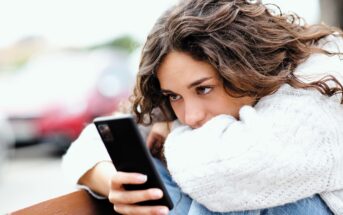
x,y
156,138
158,133
124,202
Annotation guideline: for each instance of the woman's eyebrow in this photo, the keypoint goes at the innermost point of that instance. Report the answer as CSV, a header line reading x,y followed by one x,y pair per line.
x,y
198,82
166,91
193,84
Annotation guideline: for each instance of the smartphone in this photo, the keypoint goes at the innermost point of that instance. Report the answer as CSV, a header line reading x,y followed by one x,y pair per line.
x,y
129,153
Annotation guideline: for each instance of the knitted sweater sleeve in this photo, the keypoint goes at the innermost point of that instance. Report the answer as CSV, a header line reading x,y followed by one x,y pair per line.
x,y
282,150
83,154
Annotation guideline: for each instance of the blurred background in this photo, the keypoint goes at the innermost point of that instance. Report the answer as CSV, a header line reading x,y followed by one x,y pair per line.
x,y
64,62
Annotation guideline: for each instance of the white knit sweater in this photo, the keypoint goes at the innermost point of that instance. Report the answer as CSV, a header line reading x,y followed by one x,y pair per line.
x,y
287,147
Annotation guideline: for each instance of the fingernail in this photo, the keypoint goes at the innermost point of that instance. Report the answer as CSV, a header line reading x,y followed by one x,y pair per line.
x,y
163,211
157,193
142,178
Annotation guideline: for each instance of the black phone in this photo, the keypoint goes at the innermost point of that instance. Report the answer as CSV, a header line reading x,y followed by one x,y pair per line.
x,y
129,153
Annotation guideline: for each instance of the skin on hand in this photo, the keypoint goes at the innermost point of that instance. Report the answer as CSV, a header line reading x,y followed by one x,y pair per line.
x,y
158,133
155,140
124,201
105,180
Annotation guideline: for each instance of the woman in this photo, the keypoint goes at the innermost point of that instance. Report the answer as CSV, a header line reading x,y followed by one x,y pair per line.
x,y
256,102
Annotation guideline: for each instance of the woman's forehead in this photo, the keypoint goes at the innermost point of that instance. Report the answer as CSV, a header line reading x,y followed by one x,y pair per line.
x,y
181,68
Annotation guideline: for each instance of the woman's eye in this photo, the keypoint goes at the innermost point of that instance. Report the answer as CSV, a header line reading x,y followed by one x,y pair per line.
x,y
173,97
204,90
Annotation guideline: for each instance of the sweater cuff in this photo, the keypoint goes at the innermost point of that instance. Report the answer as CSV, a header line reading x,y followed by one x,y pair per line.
x,y
91,192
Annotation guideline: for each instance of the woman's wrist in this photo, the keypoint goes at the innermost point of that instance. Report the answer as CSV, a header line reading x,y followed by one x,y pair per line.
x,y
98,178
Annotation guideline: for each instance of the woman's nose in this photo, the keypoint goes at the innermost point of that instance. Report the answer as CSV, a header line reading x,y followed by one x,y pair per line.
x,y
194,115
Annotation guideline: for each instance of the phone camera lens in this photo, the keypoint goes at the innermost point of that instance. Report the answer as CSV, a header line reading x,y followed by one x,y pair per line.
x,y
105,132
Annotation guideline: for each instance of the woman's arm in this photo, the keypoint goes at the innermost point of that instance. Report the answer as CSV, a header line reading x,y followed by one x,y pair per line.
x,y
84,154
283,150
98,178
88,164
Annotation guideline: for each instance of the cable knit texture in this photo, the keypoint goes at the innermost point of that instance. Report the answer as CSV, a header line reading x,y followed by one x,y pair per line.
x,y
287,147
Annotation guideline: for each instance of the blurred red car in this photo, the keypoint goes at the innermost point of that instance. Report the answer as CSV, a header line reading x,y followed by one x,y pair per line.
x,y
56,95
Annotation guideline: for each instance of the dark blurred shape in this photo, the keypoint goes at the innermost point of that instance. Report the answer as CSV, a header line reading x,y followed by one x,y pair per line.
x,y
6,139
55,95
18,54
331,12
125,43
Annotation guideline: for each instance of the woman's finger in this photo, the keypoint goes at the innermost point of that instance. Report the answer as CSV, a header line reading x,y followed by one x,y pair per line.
x,y
133,197
141,210
120,178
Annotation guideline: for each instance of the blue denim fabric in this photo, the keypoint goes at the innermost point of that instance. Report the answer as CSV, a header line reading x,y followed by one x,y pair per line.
x,y
184,205
309,206
181,201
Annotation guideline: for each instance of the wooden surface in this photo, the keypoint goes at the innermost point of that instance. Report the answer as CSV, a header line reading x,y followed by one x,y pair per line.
x,y
76,203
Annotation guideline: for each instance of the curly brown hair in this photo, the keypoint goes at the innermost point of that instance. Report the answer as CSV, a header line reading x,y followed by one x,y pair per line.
x,y
254,49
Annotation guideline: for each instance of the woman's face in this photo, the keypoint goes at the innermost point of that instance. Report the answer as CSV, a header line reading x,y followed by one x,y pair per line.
x,y
195,90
